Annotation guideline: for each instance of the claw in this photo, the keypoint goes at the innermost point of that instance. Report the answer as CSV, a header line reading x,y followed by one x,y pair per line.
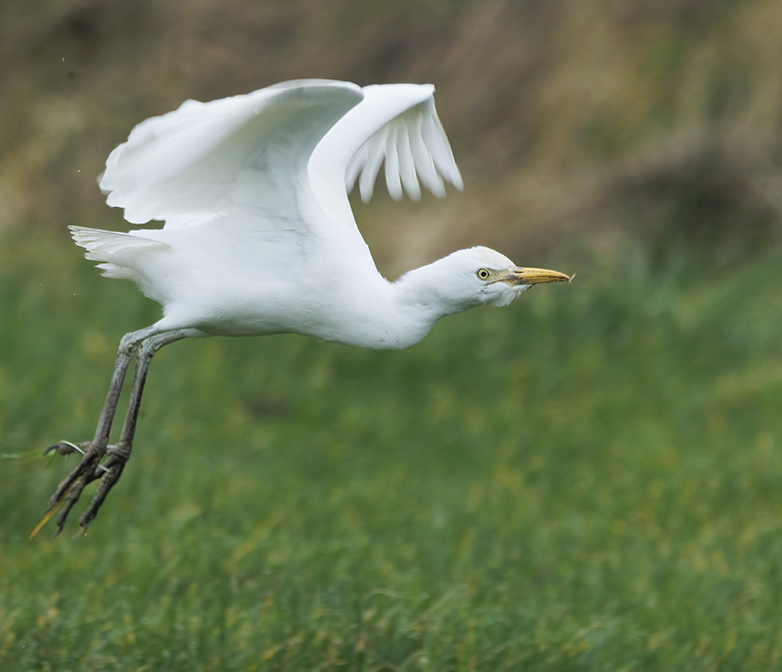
x,y
68,448
89,469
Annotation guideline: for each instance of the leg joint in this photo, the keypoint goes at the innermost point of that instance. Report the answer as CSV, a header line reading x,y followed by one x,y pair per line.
x,y
148,349
129,344
150,345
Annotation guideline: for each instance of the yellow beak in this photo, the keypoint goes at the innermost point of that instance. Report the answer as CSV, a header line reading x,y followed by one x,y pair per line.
x,y
534,276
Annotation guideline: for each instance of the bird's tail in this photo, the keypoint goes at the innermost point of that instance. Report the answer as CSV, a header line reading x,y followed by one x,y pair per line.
x,y
119,252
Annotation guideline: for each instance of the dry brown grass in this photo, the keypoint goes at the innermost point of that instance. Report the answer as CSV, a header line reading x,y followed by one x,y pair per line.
x,y
552,107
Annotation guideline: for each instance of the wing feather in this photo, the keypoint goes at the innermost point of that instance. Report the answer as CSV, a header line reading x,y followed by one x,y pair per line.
x,y
375,153
355,165
413,144
205,158
424,162
395,124
436,141
407,164
393,181
258,160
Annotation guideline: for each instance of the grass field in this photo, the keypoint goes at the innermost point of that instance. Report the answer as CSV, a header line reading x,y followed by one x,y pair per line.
x,y
590,479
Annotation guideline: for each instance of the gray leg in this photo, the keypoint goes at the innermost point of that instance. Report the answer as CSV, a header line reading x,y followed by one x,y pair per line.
x,y
94,450
89,468
111,470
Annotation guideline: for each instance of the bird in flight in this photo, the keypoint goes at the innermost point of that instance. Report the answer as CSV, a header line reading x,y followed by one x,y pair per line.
x,y
259,237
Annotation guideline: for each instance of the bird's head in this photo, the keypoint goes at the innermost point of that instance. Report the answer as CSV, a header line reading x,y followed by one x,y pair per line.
x,y
475,277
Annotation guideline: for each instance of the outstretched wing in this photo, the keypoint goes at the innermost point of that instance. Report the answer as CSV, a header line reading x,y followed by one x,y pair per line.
x,y
395,124
268,152
413,145
206,158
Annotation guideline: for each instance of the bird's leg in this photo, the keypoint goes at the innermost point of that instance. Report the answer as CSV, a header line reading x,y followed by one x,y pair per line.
x,y
119,453
93,451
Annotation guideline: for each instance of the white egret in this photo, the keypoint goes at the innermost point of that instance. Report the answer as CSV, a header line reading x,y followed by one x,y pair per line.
x,y
259,237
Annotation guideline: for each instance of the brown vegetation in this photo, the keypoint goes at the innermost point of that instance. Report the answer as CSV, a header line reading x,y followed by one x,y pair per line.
x,y
571,119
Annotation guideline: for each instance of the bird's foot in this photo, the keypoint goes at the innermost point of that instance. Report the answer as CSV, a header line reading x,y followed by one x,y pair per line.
x,y
91,467
117,456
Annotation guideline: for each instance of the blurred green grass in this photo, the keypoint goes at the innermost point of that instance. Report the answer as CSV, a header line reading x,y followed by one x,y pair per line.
x,y
588,479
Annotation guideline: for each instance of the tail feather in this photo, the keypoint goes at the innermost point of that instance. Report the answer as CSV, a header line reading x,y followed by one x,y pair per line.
x,y
119,252
109,245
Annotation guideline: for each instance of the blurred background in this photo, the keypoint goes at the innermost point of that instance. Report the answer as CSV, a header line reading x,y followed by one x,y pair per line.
x,y
588,479
598,121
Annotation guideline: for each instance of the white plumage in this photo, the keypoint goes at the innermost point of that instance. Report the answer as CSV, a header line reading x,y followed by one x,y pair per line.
x,y
259,236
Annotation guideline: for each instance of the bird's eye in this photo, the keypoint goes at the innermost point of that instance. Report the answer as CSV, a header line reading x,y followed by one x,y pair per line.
x,y
483,274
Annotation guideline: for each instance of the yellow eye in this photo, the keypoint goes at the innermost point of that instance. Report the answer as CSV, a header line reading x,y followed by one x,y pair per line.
x,y
483,274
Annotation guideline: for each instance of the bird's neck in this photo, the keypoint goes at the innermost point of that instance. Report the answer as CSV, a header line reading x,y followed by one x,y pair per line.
x,y
418,299
392,315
